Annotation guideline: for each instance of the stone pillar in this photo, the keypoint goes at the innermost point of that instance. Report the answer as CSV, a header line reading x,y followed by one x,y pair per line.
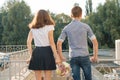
x,y
117,51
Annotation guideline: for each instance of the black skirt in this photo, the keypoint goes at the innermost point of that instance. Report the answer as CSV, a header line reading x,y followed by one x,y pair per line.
x,y
42,59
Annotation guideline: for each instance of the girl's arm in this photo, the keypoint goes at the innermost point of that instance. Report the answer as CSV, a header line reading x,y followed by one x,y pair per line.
x,y
29,42
59,48
52,44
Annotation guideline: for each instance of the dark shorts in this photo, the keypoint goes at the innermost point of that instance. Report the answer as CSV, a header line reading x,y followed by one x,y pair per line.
x,y
42,59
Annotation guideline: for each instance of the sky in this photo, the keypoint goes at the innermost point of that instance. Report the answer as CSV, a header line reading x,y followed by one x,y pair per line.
x,y
57,6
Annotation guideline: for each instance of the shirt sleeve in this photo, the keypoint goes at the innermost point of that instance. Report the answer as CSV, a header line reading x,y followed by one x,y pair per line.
x,y
62,35
31,30
51,27
90,33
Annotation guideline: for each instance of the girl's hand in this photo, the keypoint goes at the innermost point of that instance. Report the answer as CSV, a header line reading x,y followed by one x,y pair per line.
x,y
63,58
62,68
28,60
58,60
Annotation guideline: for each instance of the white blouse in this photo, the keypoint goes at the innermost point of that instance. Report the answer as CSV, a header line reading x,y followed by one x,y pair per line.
x,y
40,35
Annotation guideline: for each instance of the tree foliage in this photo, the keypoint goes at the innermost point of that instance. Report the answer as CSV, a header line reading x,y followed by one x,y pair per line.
x,y
15,22
88,7
1,28
61,21
105,22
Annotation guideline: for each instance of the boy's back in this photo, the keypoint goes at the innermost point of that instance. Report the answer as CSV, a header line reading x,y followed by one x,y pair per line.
x,y
77,33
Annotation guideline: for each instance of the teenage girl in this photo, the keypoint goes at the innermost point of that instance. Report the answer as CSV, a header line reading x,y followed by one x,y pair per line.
x,y
44,57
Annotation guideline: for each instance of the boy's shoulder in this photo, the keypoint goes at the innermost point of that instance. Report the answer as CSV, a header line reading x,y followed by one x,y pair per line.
x,y
80,23
83,23
71,24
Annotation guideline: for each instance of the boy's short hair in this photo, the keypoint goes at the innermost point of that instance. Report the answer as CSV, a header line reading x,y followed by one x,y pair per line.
x,y
76,11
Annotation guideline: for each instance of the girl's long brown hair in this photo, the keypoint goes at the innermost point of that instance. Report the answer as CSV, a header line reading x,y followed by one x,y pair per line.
x,y
41,19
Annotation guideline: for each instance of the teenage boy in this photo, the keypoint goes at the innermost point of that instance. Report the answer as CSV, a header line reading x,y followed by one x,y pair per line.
x,y
77,33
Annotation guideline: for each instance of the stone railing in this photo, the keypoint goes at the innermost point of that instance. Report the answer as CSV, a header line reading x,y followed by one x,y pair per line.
x,y
12,48
17,69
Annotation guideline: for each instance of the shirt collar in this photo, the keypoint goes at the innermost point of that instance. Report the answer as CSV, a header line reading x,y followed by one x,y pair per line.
x,y
75,20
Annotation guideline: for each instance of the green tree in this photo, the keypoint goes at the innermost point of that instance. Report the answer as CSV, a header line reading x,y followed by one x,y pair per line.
x,y
1,28
15,22
105,22
61,20
88,7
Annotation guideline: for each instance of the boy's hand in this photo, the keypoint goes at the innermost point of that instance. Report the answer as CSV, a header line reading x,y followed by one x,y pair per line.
x,y
94,59
63,58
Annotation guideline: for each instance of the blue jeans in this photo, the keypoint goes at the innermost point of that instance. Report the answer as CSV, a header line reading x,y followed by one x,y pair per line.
x,y
81,62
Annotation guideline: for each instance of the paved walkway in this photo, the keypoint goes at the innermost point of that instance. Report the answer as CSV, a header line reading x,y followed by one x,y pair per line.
x,y
32,77
96,76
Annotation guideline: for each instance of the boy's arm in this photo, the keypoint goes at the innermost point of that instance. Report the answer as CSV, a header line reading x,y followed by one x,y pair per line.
x,y
59,44
95,50
59,49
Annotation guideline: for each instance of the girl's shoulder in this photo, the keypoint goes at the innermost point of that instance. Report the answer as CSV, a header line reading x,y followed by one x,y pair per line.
x,y
46,27
49,27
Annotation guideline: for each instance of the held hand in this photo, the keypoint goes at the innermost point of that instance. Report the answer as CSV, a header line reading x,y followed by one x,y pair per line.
x,y
63,58
58,60
62,69
94,59
61,66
